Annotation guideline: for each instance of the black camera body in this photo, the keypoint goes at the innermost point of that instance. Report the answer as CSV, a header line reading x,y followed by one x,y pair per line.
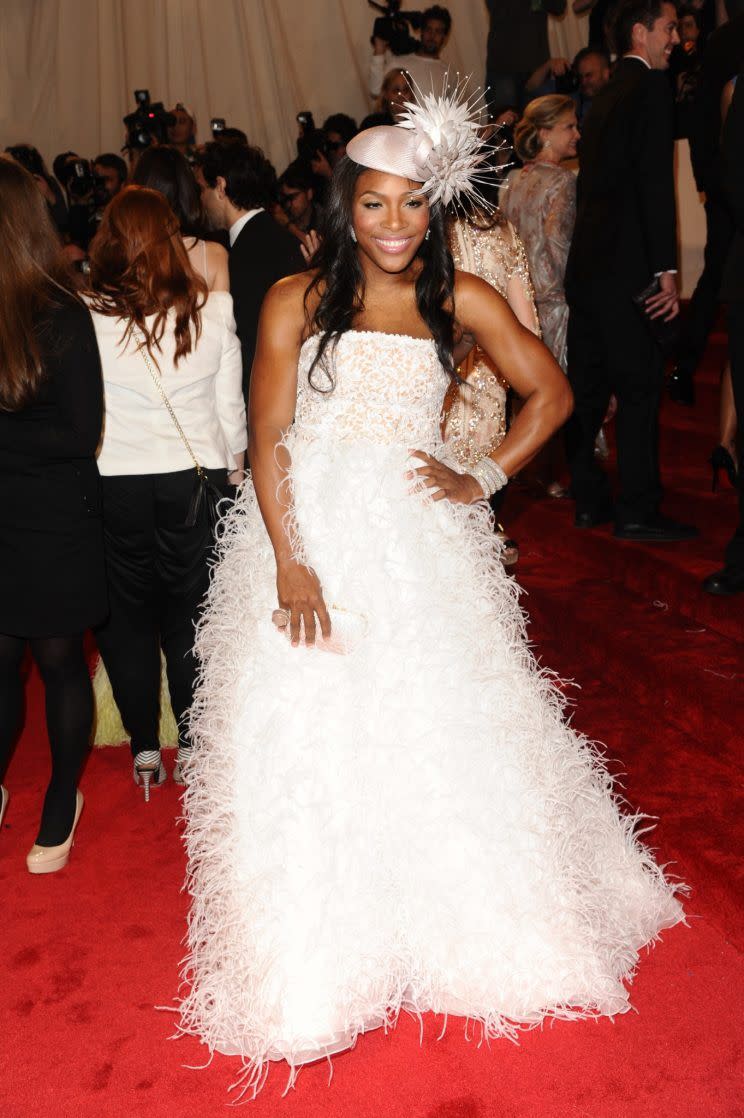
x,y
395,26
80,180
148,124
567,83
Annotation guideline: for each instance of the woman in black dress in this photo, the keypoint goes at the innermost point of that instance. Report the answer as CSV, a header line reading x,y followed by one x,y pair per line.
x,y
52,583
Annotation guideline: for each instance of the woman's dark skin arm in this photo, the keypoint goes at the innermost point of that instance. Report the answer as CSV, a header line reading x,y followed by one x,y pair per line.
x,y
530,369
271,409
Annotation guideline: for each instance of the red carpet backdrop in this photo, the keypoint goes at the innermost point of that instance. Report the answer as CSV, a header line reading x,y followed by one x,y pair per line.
x,y
92,950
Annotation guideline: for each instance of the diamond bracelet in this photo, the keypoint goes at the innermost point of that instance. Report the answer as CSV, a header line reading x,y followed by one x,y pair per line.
x,y
489,476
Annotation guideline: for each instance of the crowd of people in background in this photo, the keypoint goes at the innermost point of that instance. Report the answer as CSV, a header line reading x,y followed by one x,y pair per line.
x,y
588,260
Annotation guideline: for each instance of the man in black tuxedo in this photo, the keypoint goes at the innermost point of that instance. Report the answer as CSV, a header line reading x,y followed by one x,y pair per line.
x,y
722,59
237,185
730,580
625,236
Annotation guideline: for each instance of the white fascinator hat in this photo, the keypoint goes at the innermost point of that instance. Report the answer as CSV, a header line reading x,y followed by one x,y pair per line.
x,y
436,142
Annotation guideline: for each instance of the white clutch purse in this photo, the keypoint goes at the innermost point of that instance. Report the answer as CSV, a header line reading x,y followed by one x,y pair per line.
x,y
348,630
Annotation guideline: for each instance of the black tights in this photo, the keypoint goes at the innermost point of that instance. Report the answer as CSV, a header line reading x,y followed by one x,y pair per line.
x,y
69,718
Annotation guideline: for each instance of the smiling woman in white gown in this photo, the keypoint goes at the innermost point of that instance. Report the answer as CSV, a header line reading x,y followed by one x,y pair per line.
x,y
410,824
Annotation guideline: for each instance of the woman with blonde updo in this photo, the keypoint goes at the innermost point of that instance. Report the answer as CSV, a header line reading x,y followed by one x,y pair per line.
x,y
540,201
396,90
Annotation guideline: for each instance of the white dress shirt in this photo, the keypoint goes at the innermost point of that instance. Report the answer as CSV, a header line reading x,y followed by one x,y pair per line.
x,y
204,388
237,226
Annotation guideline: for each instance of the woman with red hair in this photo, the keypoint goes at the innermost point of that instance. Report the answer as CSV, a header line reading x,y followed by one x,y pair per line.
x,y
172,380
52,583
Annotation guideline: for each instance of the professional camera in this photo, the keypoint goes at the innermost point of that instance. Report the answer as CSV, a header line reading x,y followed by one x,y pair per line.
x,y
567,83
148,124
306,122
79,180
394,26
82,185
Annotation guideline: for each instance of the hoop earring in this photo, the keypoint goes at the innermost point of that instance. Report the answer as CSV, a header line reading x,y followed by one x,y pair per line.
x,y
353,235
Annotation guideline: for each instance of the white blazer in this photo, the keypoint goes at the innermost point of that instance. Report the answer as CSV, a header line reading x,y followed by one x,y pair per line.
x,y
204,388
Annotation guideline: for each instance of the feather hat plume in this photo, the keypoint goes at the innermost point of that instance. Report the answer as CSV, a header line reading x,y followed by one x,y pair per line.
x,y
438,142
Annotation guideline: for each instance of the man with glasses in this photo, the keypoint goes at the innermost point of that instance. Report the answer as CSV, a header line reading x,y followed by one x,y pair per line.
x,y
296,197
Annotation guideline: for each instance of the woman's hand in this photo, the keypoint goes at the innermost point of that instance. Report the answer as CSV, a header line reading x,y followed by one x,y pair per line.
x,y
300,595
445,484
309,245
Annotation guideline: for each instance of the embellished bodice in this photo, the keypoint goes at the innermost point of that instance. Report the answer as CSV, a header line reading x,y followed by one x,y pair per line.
x,y
387,388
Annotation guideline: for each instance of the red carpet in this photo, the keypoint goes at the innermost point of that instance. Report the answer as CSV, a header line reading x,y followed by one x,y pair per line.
x,y
93,949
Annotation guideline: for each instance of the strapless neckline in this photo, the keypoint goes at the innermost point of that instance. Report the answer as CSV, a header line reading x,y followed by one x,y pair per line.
x,y
373,334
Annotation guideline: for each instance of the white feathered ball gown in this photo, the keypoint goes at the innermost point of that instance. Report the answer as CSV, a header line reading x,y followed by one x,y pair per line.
x,y
413,824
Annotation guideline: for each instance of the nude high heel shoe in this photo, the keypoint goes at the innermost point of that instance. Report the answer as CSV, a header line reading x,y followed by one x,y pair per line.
x,y
183,755
49,859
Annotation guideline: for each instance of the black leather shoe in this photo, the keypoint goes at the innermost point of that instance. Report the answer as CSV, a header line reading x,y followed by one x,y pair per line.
x,y
681,387
594,517
724,583
657,529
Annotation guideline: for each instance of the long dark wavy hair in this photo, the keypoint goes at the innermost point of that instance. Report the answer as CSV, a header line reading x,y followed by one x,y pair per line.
x,y
339,280
34,274
167,170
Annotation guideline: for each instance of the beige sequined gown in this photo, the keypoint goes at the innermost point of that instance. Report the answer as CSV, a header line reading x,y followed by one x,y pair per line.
x,y
475,412
540,200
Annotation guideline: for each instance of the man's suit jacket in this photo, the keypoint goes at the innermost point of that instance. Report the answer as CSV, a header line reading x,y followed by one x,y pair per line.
x,y
625,229
262,254
733,183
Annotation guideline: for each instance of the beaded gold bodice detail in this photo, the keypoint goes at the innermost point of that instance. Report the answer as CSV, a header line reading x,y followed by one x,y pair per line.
x,y
387,388
475,413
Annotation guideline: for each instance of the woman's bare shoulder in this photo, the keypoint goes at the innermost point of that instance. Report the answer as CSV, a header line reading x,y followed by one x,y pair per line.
x,y
291,300
475,300
216,254
468,286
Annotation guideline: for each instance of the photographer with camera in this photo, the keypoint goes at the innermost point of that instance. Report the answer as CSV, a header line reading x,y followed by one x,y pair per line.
x,y
581,79
111,173
149,124
30,158
87,197
393,45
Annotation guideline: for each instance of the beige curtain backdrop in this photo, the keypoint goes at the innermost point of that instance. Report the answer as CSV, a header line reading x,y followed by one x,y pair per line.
x,y
568,34
68,69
